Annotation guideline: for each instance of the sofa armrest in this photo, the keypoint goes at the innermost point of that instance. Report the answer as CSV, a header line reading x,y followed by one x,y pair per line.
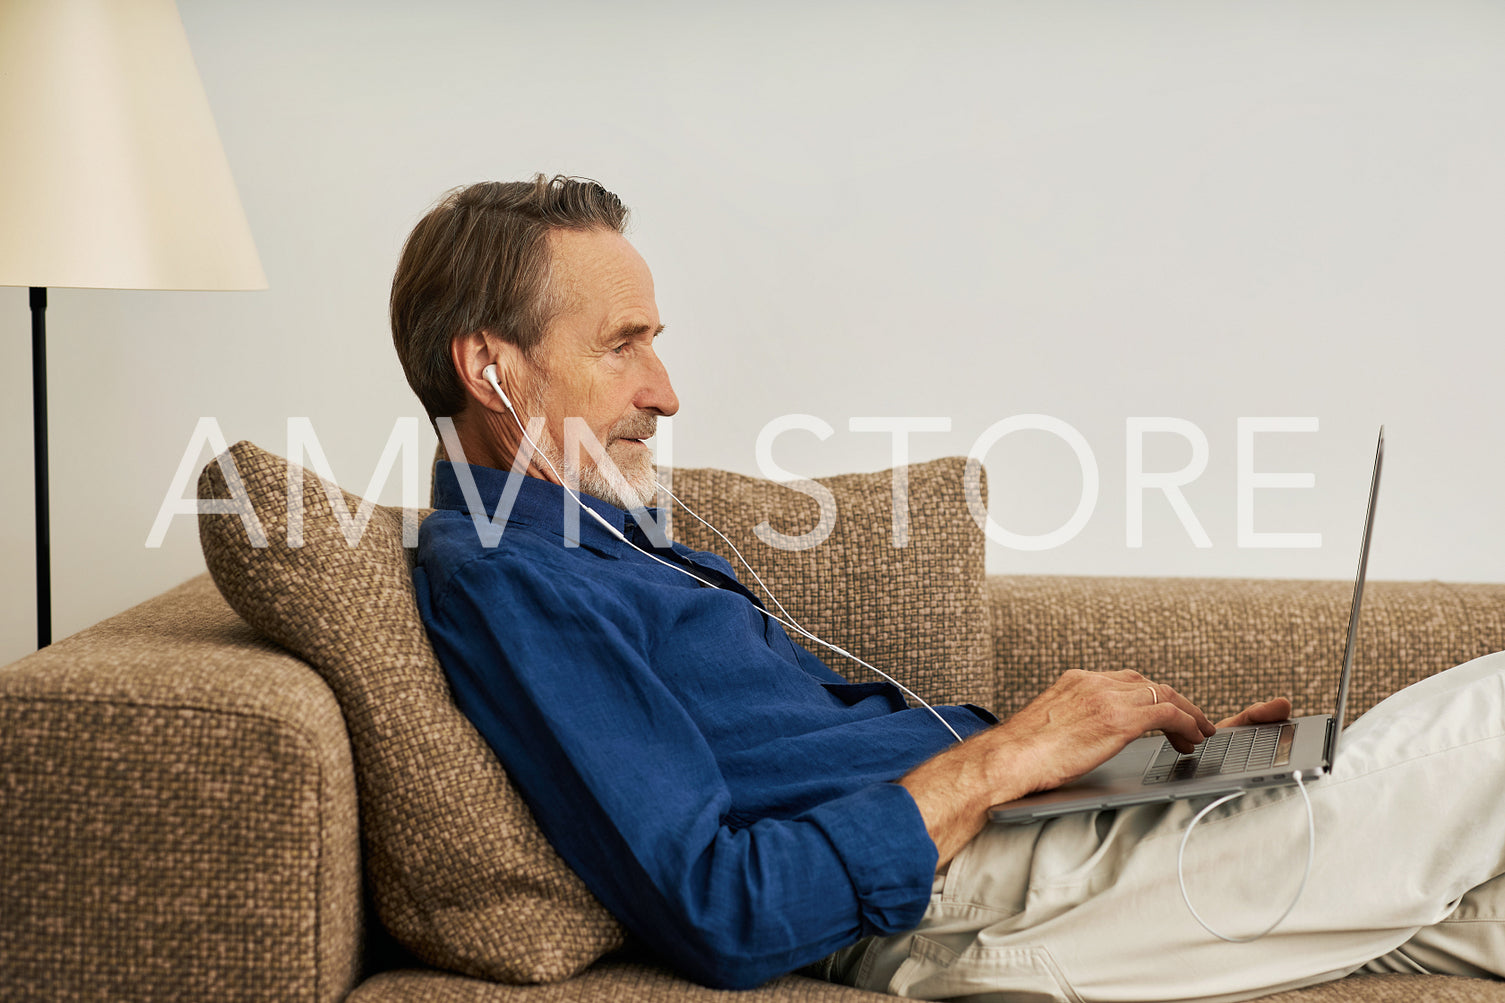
x,y
1225,642
177,815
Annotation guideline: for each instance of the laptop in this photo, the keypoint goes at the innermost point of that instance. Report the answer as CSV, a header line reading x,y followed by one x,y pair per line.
x,y
1150,770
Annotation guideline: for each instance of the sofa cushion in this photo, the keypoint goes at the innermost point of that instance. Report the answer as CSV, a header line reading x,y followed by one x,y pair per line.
x,y
917,611
457,868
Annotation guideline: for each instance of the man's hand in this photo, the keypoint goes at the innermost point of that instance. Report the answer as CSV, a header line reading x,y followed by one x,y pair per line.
x,y
1085,718
1080,722
1259,713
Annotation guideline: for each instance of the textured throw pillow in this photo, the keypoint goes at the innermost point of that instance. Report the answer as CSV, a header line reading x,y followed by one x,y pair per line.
x,y
457,868
918,611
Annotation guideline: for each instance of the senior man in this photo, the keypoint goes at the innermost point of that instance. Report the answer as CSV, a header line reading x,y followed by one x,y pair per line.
x,y
746,812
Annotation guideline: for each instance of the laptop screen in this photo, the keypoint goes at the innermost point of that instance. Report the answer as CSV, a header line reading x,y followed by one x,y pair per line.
x,y
1358,598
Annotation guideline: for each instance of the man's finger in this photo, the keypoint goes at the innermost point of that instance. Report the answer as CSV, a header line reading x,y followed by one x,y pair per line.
x,y
1274,710
1178,726
1169,694
1271,710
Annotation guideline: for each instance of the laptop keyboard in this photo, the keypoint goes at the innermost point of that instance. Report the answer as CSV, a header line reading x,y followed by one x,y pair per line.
x,y
1233,750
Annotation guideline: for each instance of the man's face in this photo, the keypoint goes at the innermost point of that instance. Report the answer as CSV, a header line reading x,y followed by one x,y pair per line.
x,y
599,366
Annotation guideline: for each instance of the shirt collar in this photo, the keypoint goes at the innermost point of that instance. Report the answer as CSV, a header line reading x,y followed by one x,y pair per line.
x,y
541,504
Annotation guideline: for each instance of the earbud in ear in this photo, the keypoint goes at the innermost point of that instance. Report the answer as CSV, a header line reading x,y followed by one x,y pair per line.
x,y
490,373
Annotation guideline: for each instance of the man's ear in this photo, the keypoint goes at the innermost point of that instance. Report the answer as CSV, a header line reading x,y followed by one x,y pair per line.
x,y
472,353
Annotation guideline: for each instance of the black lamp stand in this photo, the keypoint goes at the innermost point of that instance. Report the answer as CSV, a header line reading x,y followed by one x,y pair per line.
x,y
39,444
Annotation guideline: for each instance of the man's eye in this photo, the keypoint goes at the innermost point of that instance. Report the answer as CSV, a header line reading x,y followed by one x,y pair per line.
x,y
619,349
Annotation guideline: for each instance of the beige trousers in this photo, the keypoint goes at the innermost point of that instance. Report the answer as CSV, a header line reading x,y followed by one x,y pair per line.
x,y
1410,835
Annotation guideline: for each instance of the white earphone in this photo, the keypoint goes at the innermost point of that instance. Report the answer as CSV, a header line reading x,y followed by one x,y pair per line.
x,y
490,373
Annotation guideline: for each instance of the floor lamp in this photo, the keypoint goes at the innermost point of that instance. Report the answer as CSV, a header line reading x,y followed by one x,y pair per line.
x,y
111,177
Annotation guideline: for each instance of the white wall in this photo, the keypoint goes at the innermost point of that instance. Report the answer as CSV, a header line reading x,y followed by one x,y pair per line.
x,y
1094,211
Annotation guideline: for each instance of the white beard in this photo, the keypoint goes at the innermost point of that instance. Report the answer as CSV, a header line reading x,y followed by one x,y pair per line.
x,y
632,485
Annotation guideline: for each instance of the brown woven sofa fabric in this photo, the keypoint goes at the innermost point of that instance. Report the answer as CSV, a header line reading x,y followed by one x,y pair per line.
x,y
918,612
626,982
1226,642
177,815
1396,989
610,981
458,870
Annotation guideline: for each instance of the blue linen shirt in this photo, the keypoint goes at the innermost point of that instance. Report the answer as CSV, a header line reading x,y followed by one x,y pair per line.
x,y
728,797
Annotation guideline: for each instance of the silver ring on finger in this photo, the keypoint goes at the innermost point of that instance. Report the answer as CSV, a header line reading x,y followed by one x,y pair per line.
x,y
1154,694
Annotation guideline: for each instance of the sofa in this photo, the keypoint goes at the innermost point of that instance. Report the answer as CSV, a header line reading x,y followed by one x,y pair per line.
x,y
238,789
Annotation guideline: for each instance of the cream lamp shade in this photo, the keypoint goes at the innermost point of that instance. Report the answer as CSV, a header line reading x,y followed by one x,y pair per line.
x,y
111,177
111,171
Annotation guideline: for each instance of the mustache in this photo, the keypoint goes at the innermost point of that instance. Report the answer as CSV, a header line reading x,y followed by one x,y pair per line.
x,y
636,427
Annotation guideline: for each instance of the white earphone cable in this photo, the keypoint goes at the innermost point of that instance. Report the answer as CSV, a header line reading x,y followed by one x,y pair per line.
x,y
1311,828
490,374
772,598
793,624
1311,851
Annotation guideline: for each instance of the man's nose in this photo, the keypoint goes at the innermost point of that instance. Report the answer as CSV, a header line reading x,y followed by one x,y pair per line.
x,y
657,393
